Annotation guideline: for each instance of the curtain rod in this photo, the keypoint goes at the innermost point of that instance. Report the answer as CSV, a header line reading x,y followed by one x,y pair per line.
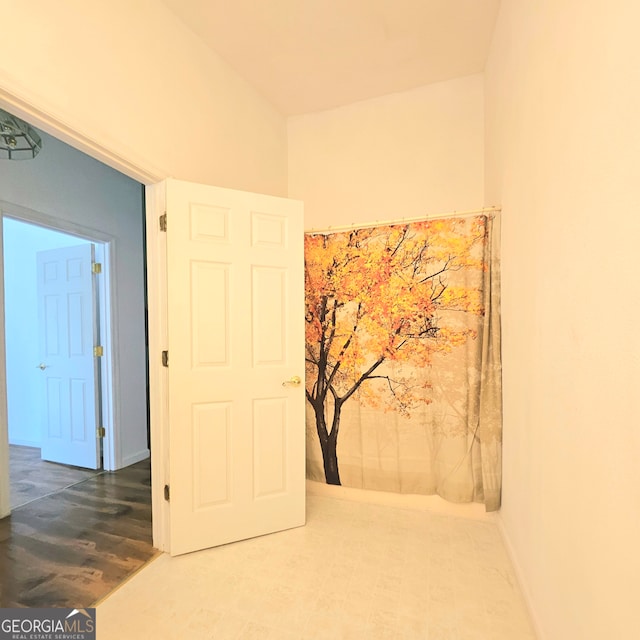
x,y
384,223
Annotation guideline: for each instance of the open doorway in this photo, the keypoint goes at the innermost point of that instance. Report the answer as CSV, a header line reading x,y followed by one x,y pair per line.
x,y
38,430
67,191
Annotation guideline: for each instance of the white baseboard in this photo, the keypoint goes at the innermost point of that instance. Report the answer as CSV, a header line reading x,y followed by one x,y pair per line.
x,y
535,620
434,503
135,457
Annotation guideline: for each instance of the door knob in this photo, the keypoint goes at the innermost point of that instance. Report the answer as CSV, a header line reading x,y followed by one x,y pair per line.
x,y
293,381
42,366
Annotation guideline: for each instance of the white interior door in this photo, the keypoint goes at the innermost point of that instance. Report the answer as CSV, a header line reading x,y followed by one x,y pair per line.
x,y
235,275
67,325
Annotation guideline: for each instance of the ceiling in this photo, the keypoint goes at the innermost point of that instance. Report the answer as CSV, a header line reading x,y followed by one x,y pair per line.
x,y
311,55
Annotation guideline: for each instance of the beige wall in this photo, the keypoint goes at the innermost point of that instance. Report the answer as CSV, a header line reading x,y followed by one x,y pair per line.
x,y
129,76
404,155
562,105
563,145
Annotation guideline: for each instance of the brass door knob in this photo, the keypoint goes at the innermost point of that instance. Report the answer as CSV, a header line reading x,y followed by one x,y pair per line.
x,y
293,381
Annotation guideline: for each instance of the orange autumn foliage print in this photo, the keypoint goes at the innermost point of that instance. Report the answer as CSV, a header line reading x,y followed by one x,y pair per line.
x,y
380,297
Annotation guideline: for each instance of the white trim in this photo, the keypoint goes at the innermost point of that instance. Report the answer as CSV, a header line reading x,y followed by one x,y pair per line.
x,y
158,375
136,457
520,576
32,216
106,291
109,371
111,445
42,118
5,496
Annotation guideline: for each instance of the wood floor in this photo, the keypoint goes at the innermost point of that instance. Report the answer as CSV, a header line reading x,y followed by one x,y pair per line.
x,y
33,478
75,536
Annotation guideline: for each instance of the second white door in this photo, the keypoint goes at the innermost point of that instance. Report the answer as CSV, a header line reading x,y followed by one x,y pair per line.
x,y
67,326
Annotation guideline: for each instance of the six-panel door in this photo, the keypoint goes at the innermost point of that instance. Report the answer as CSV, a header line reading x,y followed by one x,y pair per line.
x,y
236,345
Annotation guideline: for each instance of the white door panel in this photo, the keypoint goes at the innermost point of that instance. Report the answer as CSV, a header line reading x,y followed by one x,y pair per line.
x,y
66,310
235,334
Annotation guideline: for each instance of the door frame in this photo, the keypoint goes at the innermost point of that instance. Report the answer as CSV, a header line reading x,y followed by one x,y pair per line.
x,y
158,338
41,115
106,295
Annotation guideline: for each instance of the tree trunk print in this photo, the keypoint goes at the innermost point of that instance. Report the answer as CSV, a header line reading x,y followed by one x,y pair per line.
x,y
328,441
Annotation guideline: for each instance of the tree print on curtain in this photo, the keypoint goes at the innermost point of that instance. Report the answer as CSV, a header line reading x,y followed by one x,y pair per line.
x,y
396,322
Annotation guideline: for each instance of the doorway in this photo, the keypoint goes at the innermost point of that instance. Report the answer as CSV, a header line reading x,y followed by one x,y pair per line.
x,y
66,191
27,372
69,192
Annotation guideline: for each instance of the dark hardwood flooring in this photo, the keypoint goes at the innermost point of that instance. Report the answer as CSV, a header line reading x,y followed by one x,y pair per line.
x,y
75,544
33,478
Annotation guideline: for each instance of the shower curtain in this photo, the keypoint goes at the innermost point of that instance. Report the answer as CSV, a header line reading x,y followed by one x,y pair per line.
x,y
403,374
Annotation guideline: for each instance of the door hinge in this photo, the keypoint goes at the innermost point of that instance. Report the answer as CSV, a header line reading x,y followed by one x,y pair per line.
x,y
101,432
165,358
166,492
163,222
96,267
98,352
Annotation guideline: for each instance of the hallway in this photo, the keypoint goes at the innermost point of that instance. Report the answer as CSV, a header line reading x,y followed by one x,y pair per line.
x,y
76,535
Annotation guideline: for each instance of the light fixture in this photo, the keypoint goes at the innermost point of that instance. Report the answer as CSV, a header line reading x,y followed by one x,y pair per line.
x,y
18,140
